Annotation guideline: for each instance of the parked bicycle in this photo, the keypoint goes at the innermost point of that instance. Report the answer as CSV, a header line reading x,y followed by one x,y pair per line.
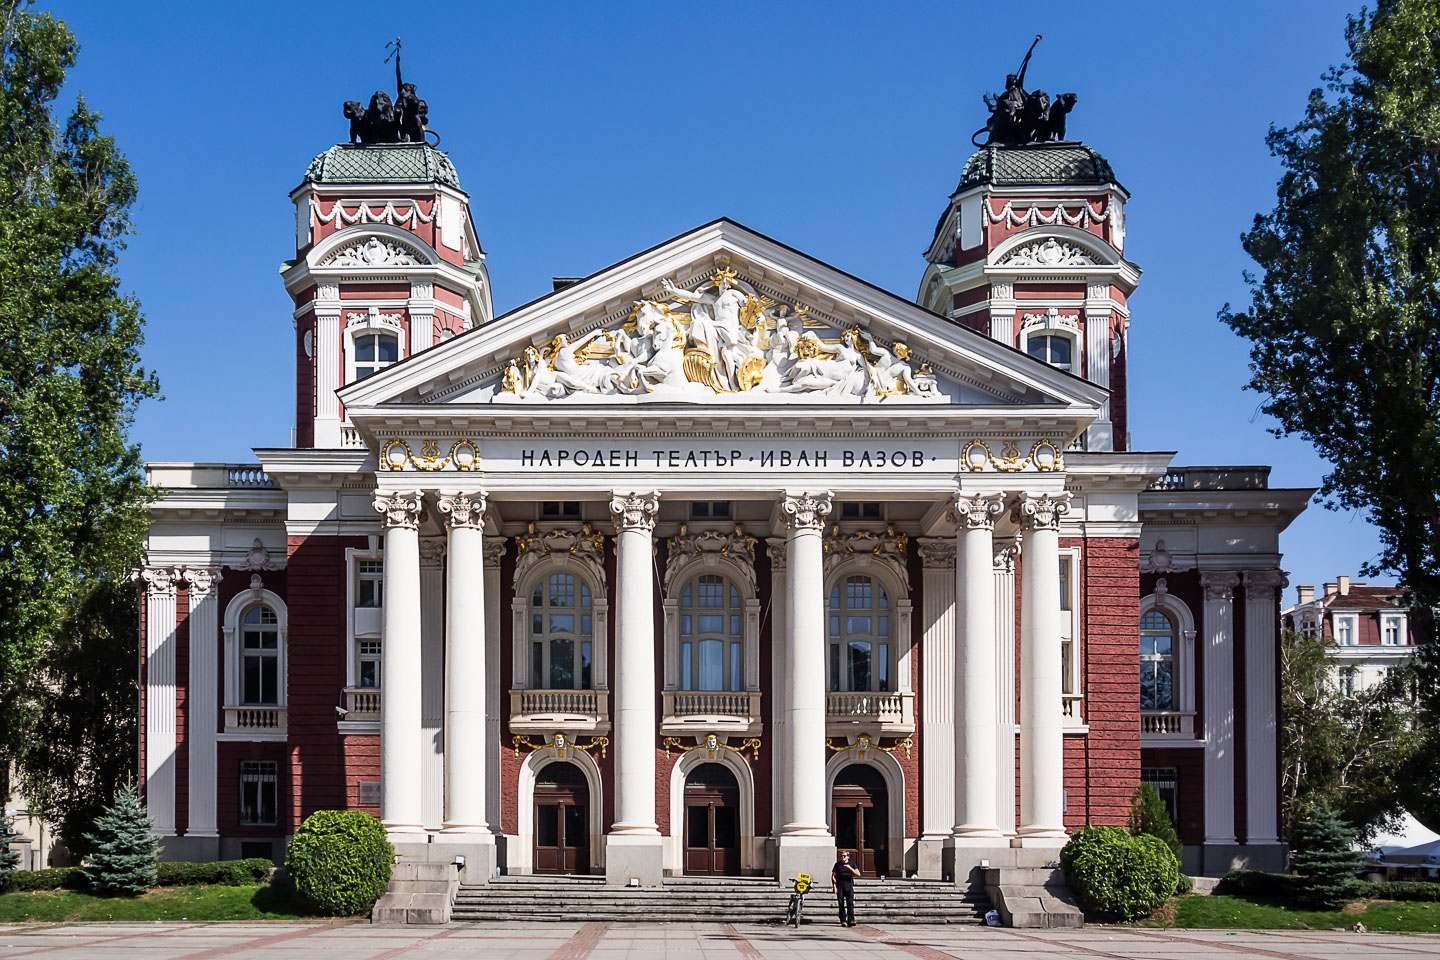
x,y
796,910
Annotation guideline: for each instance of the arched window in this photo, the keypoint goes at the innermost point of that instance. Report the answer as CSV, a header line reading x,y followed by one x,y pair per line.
x,y
711,638
259,657
1157,661
1055,349
859,621
561,629
374,352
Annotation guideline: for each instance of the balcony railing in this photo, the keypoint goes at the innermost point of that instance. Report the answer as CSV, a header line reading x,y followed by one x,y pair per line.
x,y
254,719
362,703
1167,724
728,710
889,712
556,711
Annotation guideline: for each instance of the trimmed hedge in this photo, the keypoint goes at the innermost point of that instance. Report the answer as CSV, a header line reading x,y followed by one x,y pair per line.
x,y
54,878
339,861
227,873
1118,875
1422,890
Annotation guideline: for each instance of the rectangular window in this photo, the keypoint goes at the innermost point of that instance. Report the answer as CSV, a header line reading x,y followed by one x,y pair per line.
x,y
369,591
710,510
860,511
370,664
1165,780
1069,665
1391,631
559,509
257,793
1065,562
260,669
1347,681
1344,632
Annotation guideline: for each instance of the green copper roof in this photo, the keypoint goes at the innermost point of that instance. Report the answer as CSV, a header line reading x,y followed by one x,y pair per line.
x,y
383,163
1037,164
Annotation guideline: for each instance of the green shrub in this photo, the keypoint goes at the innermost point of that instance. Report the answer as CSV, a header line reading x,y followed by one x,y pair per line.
x,y
9,859
1256,883
1328,866
340,861
1186,885
230,873
52,879
1402,890
124,848
1148,815
1117,875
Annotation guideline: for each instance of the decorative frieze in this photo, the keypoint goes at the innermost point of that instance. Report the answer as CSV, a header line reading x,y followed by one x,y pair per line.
x,y
585,546
888,548
257,558
711,546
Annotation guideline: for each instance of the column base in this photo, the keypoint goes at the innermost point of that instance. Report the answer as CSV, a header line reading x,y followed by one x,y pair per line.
x,y
930,861
631,856
1041,841
797,854
966,863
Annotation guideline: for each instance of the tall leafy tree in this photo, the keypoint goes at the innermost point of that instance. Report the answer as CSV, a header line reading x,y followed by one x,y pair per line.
x,y
1345,315
72,488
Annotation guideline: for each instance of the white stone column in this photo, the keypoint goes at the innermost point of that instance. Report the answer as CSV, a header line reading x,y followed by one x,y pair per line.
x,y
778,549
431,743
937,688
1262,710
1042,742
633,848
1005,685
329,362
160,696
494,552
975,706
1219,631
805,843
202,701
400,691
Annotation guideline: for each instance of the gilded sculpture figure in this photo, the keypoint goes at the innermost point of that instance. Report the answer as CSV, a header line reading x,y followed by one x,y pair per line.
x,y
724,338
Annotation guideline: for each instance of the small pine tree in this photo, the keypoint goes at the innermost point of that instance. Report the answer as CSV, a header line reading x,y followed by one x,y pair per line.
x,y
9,859
124,848
1325,858
1149,815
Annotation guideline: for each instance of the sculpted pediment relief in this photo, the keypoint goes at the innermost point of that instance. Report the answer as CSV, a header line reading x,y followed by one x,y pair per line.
x,y
724,337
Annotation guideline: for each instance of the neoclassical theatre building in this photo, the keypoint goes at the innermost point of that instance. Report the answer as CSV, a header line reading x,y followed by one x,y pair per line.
x,y
715,560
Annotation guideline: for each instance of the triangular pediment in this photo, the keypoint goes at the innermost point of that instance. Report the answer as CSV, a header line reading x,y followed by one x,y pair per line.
x,y
718,317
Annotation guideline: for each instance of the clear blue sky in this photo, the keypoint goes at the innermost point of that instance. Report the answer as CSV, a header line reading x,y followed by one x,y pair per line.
x,y
587,132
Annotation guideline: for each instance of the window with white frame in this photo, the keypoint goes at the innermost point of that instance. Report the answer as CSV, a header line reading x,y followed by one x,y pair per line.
x,y
374,351
367,666
370,584
1056,349
711,636
1345,630
1348,678
859,635
1392,630
258,793
1069,632
561,619
1157,661
259,657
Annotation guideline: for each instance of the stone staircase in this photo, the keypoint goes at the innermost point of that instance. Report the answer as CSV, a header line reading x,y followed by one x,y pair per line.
x,y
418,893
1032,897
702,899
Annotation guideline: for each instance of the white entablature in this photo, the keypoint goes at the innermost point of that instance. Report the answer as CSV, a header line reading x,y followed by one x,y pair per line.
x,y
719,317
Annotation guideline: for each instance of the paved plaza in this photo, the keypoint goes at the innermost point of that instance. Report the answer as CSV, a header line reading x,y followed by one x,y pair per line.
x,y
551,940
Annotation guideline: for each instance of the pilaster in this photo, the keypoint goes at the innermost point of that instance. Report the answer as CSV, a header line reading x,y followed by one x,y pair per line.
x,y
1262,733
1218,616
329,361
937,653
431,743
159,585
202,700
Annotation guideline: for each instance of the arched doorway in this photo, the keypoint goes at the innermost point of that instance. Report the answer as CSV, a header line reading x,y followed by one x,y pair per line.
x,y
712,821
862,818
562,820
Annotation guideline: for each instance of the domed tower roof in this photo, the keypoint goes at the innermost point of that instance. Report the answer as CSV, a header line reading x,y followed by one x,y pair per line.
x,y
1067,163
383,163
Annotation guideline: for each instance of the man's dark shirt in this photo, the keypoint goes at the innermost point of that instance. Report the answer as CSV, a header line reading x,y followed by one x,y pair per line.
x,y
844,874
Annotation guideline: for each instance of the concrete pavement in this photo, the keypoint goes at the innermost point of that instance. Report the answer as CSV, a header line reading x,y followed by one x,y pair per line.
x,y
823,940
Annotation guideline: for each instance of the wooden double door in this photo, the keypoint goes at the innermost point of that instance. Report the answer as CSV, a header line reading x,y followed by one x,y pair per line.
x,y
712,822
562,820
861,818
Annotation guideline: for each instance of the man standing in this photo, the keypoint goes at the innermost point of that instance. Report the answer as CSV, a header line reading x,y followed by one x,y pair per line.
x,y
842,878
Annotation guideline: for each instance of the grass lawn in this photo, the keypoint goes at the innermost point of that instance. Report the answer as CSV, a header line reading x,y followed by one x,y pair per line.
x,y
1256,913
161,903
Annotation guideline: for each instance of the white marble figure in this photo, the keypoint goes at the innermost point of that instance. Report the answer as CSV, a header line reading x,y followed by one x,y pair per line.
x,y
893,374
715,323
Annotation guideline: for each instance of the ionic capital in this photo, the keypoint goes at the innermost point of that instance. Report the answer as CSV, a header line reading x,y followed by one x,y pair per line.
x,y
937,552
806,511
978,512
400,509
635,511
432,552
494,551
158,581
1261,584
1219,585
465,510
1042,512
1005,553
201,580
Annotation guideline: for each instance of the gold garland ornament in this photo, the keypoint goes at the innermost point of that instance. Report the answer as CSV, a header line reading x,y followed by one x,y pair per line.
x,y
863,745
561,744
712,745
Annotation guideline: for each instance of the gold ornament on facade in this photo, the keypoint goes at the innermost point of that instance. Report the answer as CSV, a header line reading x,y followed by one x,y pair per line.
x,y
711,745
396,454
1045,456
864,744
561,743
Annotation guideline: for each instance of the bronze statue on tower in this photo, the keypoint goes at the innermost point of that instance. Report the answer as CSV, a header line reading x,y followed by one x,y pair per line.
x,y
1018,118
402,120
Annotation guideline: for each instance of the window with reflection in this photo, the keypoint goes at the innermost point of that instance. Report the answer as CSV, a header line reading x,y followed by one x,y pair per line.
x,y
1157,661
374,352
711,641
259,657
1054,349
561,618
859,630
